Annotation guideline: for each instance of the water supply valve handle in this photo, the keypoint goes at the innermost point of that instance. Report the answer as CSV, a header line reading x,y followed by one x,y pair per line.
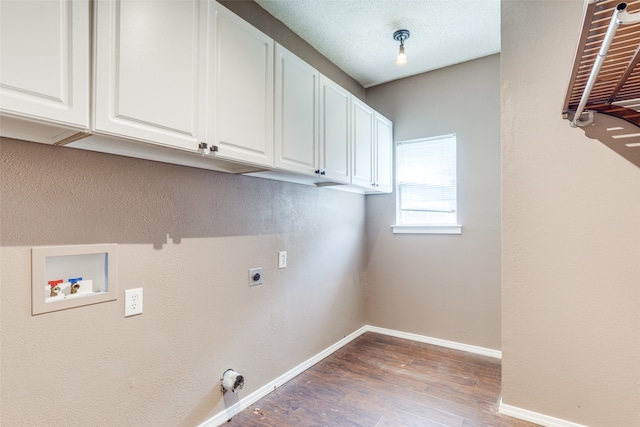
x,y
75,280
55,289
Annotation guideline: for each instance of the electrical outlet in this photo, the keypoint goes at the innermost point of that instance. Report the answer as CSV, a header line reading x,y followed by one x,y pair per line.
x,y
282,259
255,276
132,302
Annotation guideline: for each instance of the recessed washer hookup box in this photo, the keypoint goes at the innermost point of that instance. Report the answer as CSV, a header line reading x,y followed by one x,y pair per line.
x,y
65,277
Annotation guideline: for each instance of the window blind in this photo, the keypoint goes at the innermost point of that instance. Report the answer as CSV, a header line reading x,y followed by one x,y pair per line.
x,y
426,179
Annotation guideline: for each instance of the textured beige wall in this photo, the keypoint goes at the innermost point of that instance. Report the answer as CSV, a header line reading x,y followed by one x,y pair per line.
x,y
571,237
187,237
444,286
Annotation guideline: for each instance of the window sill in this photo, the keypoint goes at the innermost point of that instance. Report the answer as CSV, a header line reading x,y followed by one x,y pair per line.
x,y
427,229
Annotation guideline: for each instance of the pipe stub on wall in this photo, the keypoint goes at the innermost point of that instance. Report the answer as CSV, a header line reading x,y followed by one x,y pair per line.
x,y
231,381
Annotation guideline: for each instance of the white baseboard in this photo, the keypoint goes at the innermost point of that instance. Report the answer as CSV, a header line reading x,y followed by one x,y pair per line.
x,y
534,417
227,414
437,341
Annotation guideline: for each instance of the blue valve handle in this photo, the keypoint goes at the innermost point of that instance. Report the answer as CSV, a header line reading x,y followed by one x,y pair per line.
x,y
75,280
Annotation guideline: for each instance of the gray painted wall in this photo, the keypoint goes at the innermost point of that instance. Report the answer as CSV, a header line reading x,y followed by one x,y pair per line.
x,y
443,286
187,237
571,236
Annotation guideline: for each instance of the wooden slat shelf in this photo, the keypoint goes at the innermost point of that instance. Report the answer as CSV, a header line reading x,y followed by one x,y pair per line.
x,y
619,77
616,91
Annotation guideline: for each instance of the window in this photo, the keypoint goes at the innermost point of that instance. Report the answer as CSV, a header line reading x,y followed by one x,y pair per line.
x,y
426,187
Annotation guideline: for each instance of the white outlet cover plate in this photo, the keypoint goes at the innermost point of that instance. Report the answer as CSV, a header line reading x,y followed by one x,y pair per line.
x,y
282,259
132,302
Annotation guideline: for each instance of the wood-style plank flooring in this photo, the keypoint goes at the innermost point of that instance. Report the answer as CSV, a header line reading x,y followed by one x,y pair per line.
x,y
382,381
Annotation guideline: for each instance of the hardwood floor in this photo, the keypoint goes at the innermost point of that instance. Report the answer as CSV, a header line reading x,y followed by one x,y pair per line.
x,y
382,381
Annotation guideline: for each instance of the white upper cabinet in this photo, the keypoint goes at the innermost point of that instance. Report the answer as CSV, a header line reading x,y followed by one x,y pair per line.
x,y
335,132
362,148
241,101
149,71
45,63
383,182
372,149
185,82
296,114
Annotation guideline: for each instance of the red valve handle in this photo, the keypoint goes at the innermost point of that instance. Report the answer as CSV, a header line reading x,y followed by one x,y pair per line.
x,y
53,283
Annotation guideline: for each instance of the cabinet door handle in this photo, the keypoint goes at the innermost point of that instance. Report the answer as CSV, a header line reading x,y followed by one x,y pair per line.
x,y
214,149
323,173
202,145
317,171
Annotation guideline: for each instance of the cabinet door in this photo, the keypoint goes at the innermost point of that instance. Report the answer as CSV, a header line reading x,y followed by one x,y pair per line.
x,y
296,114
149,73
362,144
384,154
241,103
335,131
44,60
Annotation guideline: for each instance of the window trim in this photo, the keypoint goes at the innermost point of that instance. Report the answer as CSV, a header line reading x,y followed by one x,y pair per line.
x,y
427,229
423,228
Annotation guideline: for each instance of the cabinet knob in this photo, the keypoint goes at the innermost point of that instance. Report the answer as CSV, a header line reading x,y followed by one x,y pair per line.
x,y
214,149
317,171
202,145
323,173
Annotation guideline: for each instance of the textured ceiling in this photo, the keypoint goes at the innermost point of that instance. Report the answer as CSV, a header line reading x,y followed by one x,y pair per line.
x,y
357,35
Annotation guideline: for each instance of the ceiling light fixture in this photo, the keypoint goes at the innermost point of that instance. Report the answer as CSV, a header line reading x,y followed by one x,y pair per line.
x,y
401,36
